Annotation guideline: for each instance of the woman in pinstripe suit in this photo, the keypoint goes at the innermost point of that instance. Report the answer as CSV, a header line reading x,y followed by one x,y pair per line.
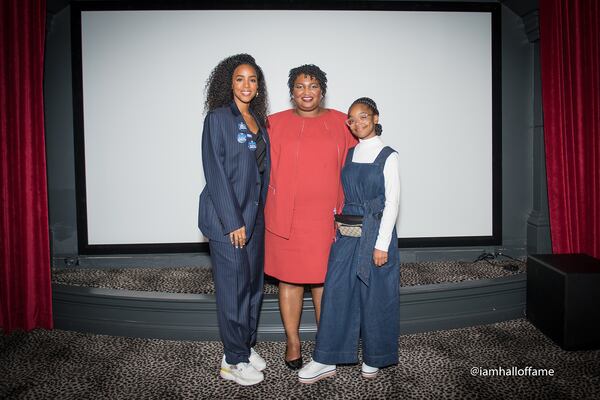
x,y
236,162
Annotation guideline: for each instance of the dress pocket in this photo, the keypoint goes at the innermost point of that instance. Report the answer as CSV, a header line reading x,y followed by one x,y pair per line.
x,y
386,282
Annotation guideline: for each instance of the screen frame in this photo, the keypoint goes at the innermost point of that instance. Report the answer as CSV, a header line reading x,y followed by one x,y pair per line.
x,y
78,7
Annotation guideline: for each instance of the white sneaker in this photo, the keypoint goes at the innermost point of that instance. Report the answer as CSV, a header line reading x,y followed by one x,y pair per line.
x,y
256,360
368,371
241,373
315,371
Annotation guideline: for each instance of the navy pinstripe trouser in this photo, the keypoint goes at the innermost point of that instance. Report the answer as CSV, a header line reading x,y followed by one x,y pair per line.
x,y
238,276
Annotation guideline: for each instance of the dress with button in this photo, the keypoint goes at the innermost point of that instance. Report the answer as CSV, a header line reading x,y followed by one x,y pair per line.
x,y
307,155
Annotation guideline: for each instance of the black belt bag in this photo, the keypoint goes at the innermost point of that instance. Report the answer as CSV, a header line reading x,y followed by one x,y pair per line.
x,y
349,225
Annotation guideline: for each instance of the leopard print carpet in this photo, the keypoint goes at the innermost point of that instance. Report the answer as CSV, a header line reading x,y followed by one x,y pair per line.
x,y
435,365
199,279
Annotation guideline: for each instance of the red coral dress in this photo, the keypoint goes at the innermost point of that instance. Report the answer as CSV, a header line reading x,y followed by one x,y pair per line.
x,y
307,155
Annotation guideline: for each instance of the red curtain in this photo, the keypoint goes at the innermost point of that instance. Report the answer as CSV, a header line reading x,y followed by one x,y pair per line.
x,y
570,66
25,289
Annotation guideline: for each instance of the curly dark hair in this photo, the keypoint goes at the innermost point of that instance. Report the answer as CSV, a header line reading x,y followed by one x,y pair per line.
x,y
218,86
311,70
373,106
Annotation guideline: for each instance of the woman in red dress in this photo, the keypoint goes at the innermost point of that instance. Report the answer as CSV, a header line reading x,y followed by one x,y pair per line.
x,y
308,149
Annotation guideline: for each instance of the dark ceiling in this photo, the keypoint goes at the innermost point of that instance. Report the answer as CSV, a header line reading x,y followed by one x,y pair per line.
x,y
519,7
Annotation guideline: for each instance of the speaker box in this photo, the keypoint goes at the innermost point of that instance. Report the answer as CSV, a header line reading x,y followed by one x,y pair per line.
x,y
563,299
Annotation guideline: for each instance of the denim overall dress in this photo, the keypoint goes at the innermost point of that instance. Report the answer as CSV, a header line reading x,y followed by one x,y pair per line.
x,y
361,300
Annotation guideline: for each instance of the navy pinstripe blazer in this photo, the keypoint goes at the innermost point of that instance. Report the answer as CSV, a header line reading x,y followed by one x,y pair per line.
x,y
232,193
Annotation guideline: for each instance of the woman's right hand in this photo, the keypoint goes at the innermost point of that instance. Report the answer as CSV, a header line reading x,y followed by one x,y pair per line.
x,y
380,257
238,237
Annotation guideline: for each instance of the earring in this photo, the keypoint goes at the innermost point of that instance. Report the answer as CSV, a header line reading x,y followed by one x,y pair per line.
x,y
256,93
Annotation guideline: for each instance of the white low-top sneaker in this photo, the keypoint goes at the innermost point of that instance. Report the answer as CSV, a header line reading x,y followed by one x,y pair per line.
x,y
315,371
368,371
256,360
241,373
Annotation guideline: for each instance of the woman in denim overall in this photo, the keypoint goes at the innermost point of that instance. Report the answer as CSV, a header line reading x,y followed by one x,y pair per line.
x,y
361,294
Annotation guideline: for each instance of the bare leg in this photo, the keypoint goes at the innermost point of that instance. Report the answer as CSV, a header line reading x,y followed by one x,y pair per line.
x,y
290,306
317,293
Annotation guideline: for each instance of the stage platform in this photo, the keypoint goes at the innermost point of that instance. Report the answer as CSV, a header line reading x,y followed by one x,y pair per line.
x,y
179,303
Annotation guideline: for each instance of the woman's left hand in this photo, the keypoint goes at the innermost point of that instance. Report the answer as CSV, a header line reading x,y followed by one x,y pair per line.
x,y
380,257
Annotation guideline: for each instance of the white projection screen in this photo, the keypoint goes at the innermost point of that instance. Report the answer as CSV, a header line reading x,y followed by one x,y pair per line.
x,y
139,78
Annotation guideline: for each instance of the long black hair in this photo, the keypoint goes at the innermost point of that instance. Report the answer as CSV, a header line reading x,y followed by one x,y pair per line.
x,y
218,86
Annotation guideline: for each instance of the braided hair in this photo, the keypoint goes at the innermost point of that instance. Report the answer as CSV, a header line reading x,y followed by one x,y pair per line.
x,y
373,106
218,86
310,70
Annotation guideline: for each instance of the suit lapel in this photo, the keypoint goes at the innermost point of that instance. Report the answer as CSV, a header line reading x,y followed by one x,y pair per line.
x,y
240,119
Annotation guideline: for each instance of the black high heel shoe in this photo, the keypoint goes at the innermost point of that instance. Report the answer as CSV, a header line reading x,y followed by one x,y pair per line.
x,y
293,364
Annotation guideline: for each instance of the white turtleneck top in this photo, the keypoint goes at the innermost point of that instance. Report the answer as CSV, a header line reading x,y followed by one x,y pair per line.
x,y
366,151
